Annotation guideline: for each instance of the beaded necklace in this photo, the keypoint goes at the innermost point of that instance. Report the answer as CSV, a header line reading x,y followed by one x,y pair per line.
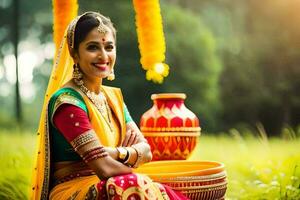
x,y
101,104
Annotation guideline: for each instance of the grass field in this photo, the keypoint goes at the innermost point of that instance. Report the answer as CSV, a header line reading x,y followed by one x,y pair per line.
x,y
257,167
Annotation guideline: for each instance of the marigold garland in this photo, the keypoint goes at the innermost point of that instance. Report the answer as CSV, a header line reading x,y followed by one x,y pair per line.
x,y
63,12
151,39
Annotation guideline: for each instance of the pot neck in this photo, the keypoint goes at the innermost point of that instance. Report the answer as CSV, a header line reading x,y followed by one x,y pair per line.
x,y
169,103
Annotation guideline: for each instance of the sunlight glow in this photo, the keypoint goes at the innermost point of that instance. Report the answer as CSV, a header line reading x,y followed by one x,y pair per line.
x,y
9,62
159,68
5,3
49,50
27,61
28,91
1,73
5,89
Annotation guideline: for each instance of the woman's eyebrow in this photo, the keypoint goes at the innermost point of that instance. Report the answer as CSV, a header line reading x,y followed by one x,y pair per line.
x,y
92,42
109,42
98,43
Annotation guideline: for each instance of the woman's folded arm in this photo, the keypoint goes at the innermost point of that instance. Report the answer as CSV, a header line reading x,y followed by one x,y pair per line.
x,y
135,140
74,124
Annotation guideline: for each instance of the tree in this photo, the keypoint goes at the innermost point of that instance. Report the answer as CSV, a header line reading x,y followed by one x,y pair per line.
x,y
195,65
191,54
259,44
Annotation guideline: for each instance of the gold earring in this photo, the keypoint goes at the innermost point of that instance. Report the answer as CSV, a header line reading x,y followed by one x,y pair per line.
x,y
111,76
77,75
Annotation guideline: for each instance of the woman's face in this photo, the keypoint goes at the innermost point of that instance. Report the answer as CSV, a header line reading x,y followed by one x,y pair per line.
x,y
96,54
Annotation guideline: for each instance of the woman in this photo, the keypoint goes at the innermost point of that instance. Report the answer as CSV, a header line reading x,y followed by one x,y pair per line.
x,y
88,143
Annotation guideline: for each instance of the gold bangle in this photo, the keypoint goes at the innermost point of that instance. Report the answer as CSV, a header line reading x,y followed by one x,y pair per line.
x,y
123,154
127,161
138,159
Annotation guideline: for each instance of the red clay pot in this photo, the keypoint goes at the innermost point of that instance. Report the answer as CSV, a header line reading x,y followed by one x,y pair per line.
x,y
170,127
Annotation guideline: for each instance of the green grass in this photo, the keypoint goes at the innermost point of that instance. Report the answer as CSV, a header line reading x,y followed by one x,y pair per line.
x,y
257,167
16,161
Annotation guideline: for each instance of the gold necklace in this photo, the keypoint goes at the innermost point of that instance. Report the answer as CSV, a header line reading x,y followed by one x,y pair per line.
x,y
101,104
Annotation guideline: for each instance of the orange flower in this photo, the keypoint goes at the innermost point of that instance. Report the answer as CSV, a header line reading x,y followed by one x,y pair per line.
x,y
151,39
64,11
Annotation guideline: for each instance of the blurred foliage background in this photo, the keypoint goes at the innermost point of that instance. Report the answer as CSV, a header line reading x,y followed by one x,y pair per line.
x,y
237,61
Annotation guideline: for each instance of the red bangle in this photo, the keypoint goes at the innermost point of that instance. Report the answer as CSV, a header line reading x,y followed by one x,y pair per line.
x,y
93,153
97,156
88,152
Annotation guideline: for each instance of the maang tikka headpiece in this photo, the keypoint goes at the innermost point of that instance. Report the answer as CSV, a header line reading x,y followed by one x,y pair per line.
x,y
102,28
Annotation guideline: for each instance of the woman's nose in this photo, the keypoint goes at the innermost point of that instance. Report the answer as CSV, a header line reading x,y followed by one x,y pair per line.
x,y
102,54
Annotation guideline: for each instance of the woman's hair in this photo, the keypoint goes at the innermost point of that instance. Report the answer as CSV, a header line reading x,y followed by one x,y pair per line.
x,y
86,23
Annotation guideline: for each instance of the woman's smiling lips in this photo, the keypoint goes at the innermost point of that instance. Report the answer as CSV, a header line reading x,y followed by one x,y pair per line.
x,y
101,65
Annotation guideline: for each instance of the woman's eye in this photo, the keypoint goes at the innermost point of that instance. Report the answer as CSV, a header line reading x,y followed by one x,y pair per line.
x,y
109,47
92,47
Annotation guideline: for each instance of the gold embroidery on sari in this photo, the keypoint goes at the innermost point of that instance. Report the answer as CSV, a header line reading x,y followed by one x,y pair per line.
x,y
74,195
145,188
92,193
45,187
68,170
64,98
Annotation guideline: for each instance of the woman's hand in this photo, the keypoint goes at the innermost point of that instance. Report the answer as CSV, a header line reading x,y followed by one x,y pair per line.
x,y
141,149
133,135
